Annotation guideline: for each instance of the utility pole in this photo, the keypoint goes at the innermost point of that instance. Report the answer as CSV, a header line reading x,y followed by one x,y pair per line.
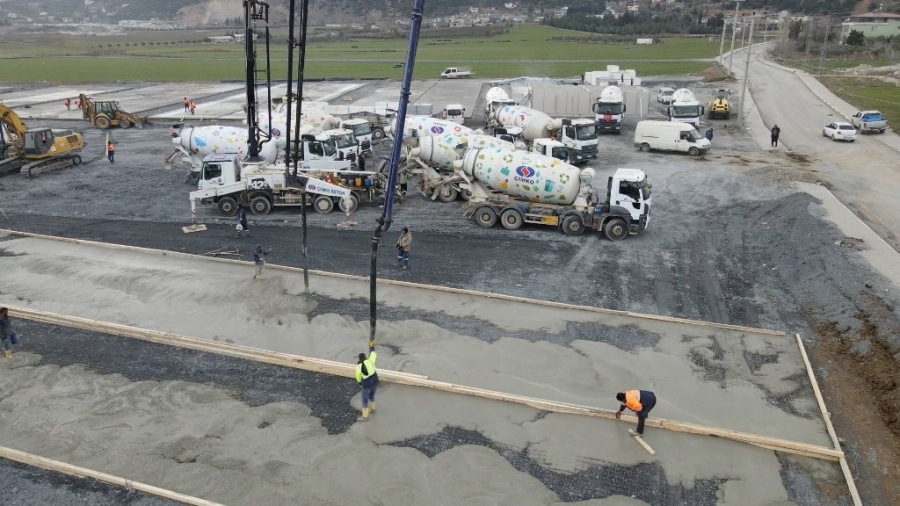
x,y
737,7
722,44
809,31
824,45
746,73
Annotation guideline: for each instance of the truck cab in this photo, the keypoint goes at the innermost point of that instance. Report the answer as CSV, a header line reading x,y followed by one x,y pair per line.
x,y
362,130
628,194
869,121
219,170
344,143
582,137
551,147
511,134
609,115
454,112
456,73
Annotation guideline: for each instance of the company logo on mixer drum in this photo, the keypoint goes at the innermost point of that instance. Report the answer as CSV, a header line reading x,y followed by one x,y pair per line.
x,y
525,174
437,129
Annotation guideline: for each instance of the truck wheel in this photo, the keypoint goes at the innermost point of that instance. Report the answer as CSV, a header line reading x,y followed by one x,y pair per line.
x,y
323,204
616,229
354,204
485,216
76,160
573,225
447,193
465,195
101,122
124,123
378,134
645,148
260,205
227,206
511,219
694,152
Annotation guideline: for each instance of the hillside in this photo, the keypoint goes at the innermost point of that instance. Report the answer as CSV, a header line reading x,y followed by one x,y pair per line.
x,y
340,11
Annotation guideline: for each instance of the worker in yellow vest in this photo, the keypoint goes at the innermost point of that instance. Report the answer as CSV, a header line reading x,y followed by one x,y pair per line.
x,y
368,379
639,401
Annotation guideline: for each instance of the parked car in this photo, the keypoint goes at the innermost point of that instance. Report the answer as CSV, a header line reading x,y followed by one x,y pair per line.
x,y
839,131
869,121
665,95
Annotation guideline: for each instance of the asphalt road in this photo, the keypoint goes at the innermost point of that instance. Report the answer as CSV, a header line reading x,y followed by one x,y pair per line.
x,y
863,174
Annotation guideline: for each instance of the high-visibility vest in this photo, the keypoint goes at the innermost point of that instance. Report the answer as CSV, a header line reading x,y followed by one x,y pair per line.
x,y
366,369
633,400
110,147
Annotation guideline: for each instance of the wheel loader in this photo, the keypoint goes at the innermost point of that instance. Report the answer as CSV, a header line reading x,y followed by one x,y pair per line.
x,y
104,114
36,150
720,107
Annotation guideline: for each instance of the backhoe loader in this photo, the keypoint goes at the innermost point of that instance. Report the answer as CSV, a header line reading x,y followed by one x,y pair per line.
x,y
37,150
106,113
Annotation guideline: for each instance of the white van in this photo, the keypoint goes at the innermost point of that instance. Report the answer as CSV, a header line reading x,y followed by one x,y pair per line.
x,y
454,112
670,136
665,95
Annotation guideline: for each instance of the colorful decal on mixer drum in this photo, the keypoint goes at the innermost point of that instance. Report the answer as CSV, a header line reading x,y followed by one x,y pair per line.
x,y
563,178
199,142
508,158
437,129
276,132
455,129
505,171
548,186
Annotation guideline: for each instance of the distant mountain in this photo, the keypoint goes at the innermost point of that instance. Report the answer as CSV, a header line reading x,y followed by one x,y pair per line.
x,y
348,11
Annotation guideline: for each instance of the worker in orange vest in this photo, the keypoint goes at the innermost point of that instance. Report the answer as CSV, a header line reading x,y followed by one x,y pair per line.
x,y
639,401
111,151
68,104
77,102
193,106
187,104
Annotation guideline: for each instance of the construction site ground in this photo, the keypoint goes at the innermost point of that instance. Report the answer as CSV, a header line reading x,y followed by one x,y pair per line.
x,y
735,238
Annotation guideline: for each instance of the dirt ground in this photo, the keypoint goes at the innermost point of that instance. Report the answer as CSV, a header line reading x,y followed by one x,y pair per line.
x,y
731,240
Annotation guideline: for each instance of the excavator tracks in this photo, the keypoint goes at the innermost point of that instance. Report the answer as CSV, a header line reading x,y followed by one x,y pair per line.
x,y
41,166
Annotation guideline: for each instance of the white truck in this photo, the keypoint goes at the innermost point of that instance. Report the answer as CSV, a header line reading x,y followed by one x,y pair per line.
x,y
457,73
670,136
517,187
580,136
193,144
685,108
869,121
609,109
420,126
454,112
226,181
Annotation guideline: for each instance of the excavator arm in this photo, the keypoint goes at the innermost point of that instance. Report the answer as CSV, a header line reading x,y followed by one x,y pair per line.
x,y
86,105
13,126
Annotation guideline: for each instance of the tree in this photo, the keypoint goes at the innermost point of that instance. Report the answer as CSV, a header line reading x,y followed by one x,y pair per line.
x,y
794,29
856,38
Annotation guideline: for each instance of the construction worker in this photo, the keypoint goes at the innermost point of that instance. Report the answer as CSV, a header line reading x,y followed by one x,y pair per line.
x,y
403,244
368,379
68,103
243,226
259,260
404,182
77,102
639,401
776,132
361,161
7,334
192,106
111,151
187,104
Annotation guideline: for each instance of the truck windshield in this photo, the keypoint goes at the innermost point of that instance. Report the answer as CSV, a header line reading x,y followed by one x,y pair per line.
x,y
609,108
328,147
586,132
695,134
721,94
361,129
686,111
345,140
560,153
454,112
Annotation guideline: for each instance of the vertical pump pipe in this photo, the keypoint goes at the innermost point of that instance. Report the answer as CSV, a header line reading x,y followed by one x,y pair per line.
x,y
290,86
746,74
737,7
250,68
384,222
304,26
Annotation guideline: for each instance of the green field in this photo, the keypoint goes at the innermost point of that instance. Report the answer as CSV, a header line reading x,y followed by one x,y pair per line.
x,y
868,93
525,50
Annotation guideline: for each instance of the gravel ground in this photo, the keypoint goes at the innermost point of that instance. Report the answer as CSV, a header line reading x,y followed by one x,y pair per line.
x,y
730,241
31,486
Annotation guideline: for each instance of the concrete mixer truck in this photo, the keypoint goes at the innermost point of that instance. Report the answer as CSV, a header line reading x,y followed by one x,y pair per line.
x,y
196,143
523,124
610,109
420,126
433,156
685,108
518,187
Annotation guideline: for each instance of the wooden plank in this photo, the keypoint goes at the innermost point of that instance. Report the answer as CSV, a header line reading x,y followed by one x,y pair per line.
x,y
193,228
446,289
845,468
82,472
640,440
348,370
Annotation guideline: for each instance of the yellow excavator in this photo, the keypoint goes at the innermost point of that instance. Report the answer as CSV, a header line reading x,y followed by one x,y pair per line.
x,y
720,107
37,150
106,113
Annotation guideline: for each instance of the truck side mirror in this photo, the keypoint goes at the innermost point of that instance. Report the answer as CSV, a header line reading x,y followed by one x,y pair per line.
x,y
702,110
624,107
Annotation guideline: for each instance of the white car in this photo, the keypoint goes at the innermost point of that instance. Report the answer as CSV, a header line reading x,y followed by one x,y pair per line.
x,y
665,95
839,131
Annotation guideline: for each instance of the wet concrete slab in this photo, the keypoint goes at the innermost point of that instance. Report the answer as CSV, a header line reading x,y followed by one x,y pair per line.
x,y
56,94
